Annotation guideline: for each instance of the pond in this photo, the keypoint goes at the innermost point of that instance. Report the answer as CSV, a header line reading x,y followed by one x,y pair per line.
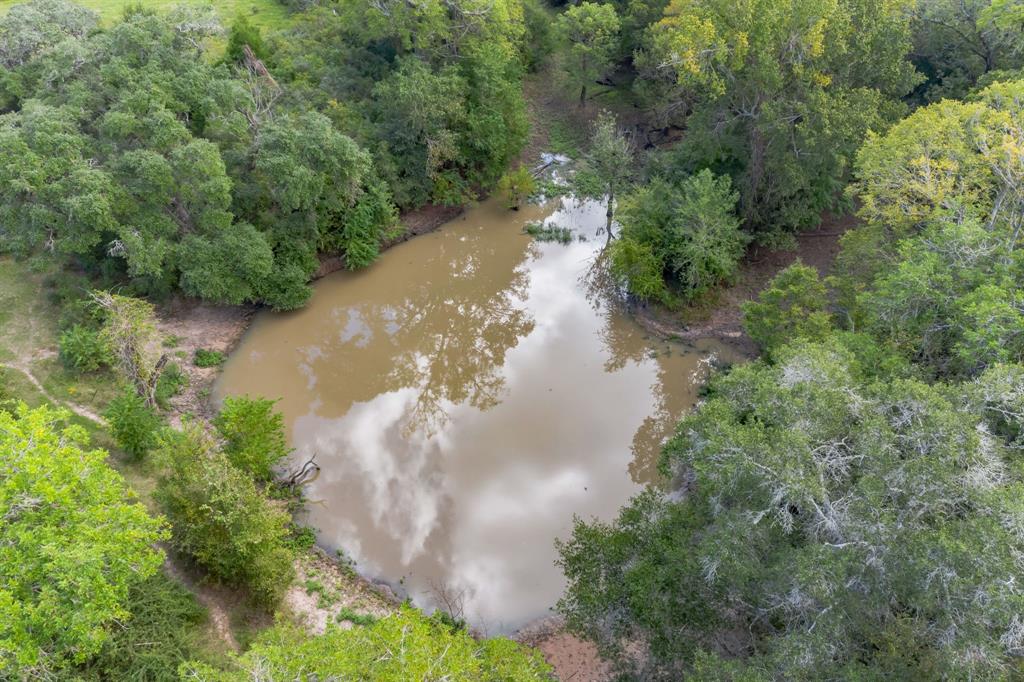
x,y
465,396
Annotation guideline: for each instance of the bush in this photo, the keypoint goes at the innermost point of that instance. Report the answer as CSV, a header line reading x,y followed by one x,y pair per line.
x,y
171,382
132,424
83,350
517,186
220,518
429,650
793,306
253,434
689,232
165,629
635,264
209,358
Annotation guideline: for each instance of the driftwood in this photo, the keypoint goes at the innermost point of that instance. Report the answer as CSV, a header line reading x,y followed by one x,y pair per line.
x,y
306,473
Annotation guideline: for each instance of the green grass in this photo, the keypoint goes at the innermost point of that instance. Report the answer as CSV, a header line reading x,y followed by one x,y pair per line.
x,y
269,15
28,322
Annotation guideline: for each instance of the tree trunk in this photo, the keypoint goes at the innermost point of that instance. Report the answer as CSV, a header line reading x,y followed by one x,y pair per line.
x,y
583,95
154,379
609,214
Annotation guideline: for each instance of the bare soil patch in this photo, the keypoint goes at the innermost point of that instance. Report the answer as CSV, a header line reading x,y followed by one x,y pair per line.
x,y
572,658
192,326
325,593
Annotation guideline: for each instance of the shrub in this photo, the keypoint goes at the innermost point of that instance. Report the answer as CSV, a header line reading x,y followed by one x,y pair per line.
x,y
82,349
793,306
429,650
517,186
635,264
132,424
253,434
165,629
690,233
220,518
208,358
171,382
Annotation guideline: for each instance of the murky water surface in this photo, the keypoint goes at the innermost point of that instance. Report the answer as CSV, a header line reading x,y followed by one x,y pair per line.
x,y
465,396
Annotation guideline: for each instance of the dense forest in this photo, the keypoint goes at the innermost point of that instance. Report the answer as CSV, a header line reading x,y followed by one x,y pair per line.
x,y
846,505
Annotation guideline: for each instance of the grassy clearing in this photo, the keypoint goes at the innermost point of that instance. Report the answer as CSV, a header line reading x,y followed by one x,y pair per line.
x,y
267,14
28,323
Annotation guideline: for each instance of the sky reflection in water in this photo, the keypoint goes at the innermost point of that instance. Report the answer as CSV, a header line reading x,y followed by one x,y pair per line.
x,y
465,396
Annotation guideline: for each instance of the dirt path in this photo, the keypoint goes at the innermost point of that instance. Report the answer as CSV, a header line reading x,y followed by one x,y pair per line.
x,y
220,619
80,410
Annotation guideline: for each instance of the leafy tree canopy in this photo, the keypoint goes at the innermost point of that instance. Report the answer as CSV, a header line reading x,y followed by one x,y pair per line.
x,y
73,543
403,646
689,229
780,94
831,525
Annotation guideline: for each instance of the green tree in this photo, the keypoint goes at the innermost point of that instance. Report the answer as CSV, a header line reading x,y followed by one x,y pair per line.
x,y
129,331
254,435
404,646
935,267
73,543
780,95
133,424
517,186
957,42
220,518
865,515
793,306
243,34
690,229
591,30
30,28
607,168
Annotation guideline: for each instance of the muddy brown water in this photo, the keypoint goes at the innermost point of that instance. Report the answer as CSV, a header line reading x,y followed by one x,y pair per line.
x,y
466,396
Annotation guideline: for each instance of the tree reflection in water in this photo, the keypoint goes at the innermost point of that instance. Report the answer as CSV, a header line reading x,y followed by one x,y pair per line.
x,y
454,341
626,342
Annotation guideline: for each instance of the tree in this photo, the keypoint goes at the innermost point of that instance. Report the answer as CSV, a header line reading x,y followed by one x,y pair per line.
x,y
254,435
690,229
934,267
72,544
133,424
956,42
517,186
793,306
606,169
833,525
244,34
129,331
220,518
30,28
591,30
780,95
404,646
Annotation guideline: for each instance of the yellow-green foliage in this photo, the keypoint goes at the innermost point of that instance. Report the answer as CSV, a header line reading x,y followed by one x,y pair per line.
x,y
517,186
72,544
404,646
268,14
